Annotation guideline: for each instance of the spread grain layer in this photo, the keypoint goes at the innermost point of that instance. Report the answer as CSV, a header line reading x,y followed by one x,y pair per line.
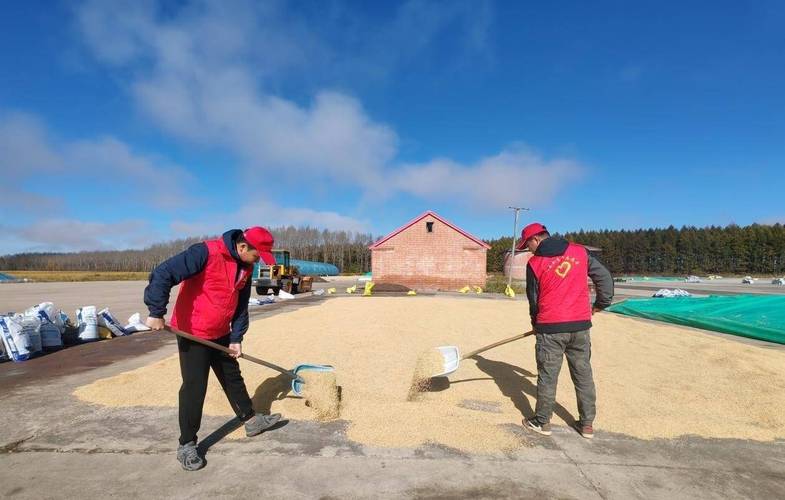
x,y
653,380
428,363
320,391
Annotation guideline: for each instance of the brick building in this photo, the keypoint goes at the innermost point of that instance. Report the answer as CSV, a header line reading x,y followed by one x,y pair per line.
x,y
429,253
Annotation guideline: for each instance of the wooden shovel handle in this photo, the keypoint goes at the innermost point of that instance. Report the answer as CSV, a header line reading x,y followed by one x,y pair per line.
x,y
228,351
497,344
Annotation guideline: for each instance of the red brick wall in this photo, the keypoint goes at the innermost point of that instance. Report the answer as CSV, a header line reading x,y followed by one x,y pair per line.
x,y
444,259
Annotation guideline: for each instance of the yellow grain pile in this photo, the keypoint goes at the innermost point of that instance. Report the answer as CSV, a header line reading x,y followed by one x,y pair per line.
x,y
653,380
429,363
321,394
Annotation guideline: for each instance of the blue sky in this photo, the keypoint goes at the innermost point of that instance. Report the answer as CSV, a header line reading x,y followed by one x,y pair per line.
x,y
123,124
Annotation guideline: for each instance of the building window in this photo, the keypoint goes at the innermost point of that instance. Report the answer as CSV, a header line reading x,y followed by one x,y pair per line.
x,y
429,227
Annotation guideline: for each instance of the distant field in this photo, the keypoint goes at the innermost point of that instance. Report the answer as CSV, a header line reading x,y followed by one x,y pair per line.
x,y
52,276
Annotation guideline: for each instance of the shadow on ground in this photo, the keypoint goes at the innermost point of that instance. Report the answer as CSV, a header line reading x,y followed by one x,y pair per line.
x,y
229,427
513,381
272,389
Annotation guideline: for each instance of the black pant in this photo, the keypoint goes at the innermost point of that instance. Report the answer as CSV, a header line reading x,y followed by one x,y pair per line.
x,y
195,363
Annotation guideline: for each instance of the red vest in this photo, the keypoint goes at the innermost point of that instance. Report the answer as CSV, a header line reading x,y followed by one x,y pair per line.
x,y
563,294
207,301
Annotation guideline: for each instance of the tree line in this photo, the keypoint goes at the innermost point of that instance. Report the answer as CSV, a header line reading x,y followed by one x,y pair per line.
x,y
346,249
755,249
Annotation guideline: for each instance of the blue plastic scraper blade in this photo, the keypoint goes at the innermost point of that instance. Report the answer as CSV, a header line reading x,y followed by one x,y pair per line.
x,y
297,383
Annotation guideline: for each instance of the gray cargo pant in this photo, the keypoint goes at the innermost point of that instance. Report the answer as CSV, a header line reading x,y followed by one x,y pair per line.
x,y
550,350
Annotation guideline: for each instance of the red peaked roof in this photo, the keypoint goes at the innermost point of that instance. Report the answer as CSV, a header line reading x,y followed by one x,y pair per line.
x,y
435,216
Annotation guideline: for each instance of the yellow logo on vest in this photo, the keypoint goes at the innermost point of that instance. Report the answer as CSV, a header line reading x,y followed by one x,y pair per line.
x,y
562,265
564,269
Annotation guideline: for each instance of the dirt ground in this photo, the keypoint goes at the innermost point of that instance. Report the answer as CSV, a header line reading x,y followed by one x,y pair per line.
x,y
54,445
653,380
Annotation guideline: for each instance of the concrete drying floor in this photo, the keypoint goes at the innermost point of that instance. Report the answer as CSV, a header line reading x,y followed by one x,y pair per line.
x,y
54,446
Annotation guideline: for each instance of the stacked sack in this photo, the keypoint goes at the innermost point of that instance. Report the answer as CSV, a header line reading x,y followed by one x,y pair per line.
x,y
39,329
108,321
21,336
44,328
99,325
87,324
52,325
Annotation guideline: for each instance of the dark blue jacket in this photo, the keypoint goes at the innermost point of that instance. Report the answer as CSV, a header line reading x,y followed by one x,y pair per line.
x,y
189,263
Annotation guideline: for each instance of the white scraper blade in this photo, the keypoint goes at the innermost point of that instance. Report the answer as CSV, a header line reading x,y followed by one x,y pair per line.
x,y
452,357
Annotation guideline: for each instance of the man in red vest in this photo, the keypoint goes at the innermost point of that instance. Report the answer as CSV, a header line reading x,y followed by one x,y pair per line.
x,y
559,304
215,278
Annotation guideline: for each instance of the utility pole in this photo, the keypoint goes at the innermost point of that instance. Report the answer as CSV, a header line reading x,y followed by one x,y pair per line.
x,y
514,236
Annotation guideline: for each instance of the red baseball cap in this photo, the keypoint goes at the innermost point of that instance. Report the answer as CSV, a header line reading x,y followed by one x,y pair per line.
x,y
532,229
262,240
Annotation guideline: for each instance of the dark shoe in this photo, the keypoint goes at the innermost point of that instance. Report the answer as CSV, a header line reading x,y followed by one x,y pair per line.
x,y
586,431
188,456
544,429
260,423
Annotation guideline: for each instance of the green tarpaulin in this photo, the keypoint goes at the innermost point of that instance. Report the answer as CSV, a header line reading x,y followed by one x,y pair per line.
x,y
759,317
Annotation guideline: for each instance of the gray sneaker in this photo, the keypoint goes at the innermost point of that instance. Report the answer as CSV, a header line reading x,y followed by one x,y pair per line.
x,y
260,423
188,456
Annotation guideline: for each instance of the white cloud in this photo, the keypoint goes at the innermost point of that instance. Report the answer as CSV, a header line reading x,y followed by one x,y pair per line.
x,y
60,234
513,177
25,148
104,170
214,73
331,139
211,72
216,89
263,213
66,235
14,200
30,154
111,170
116,32
147,178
